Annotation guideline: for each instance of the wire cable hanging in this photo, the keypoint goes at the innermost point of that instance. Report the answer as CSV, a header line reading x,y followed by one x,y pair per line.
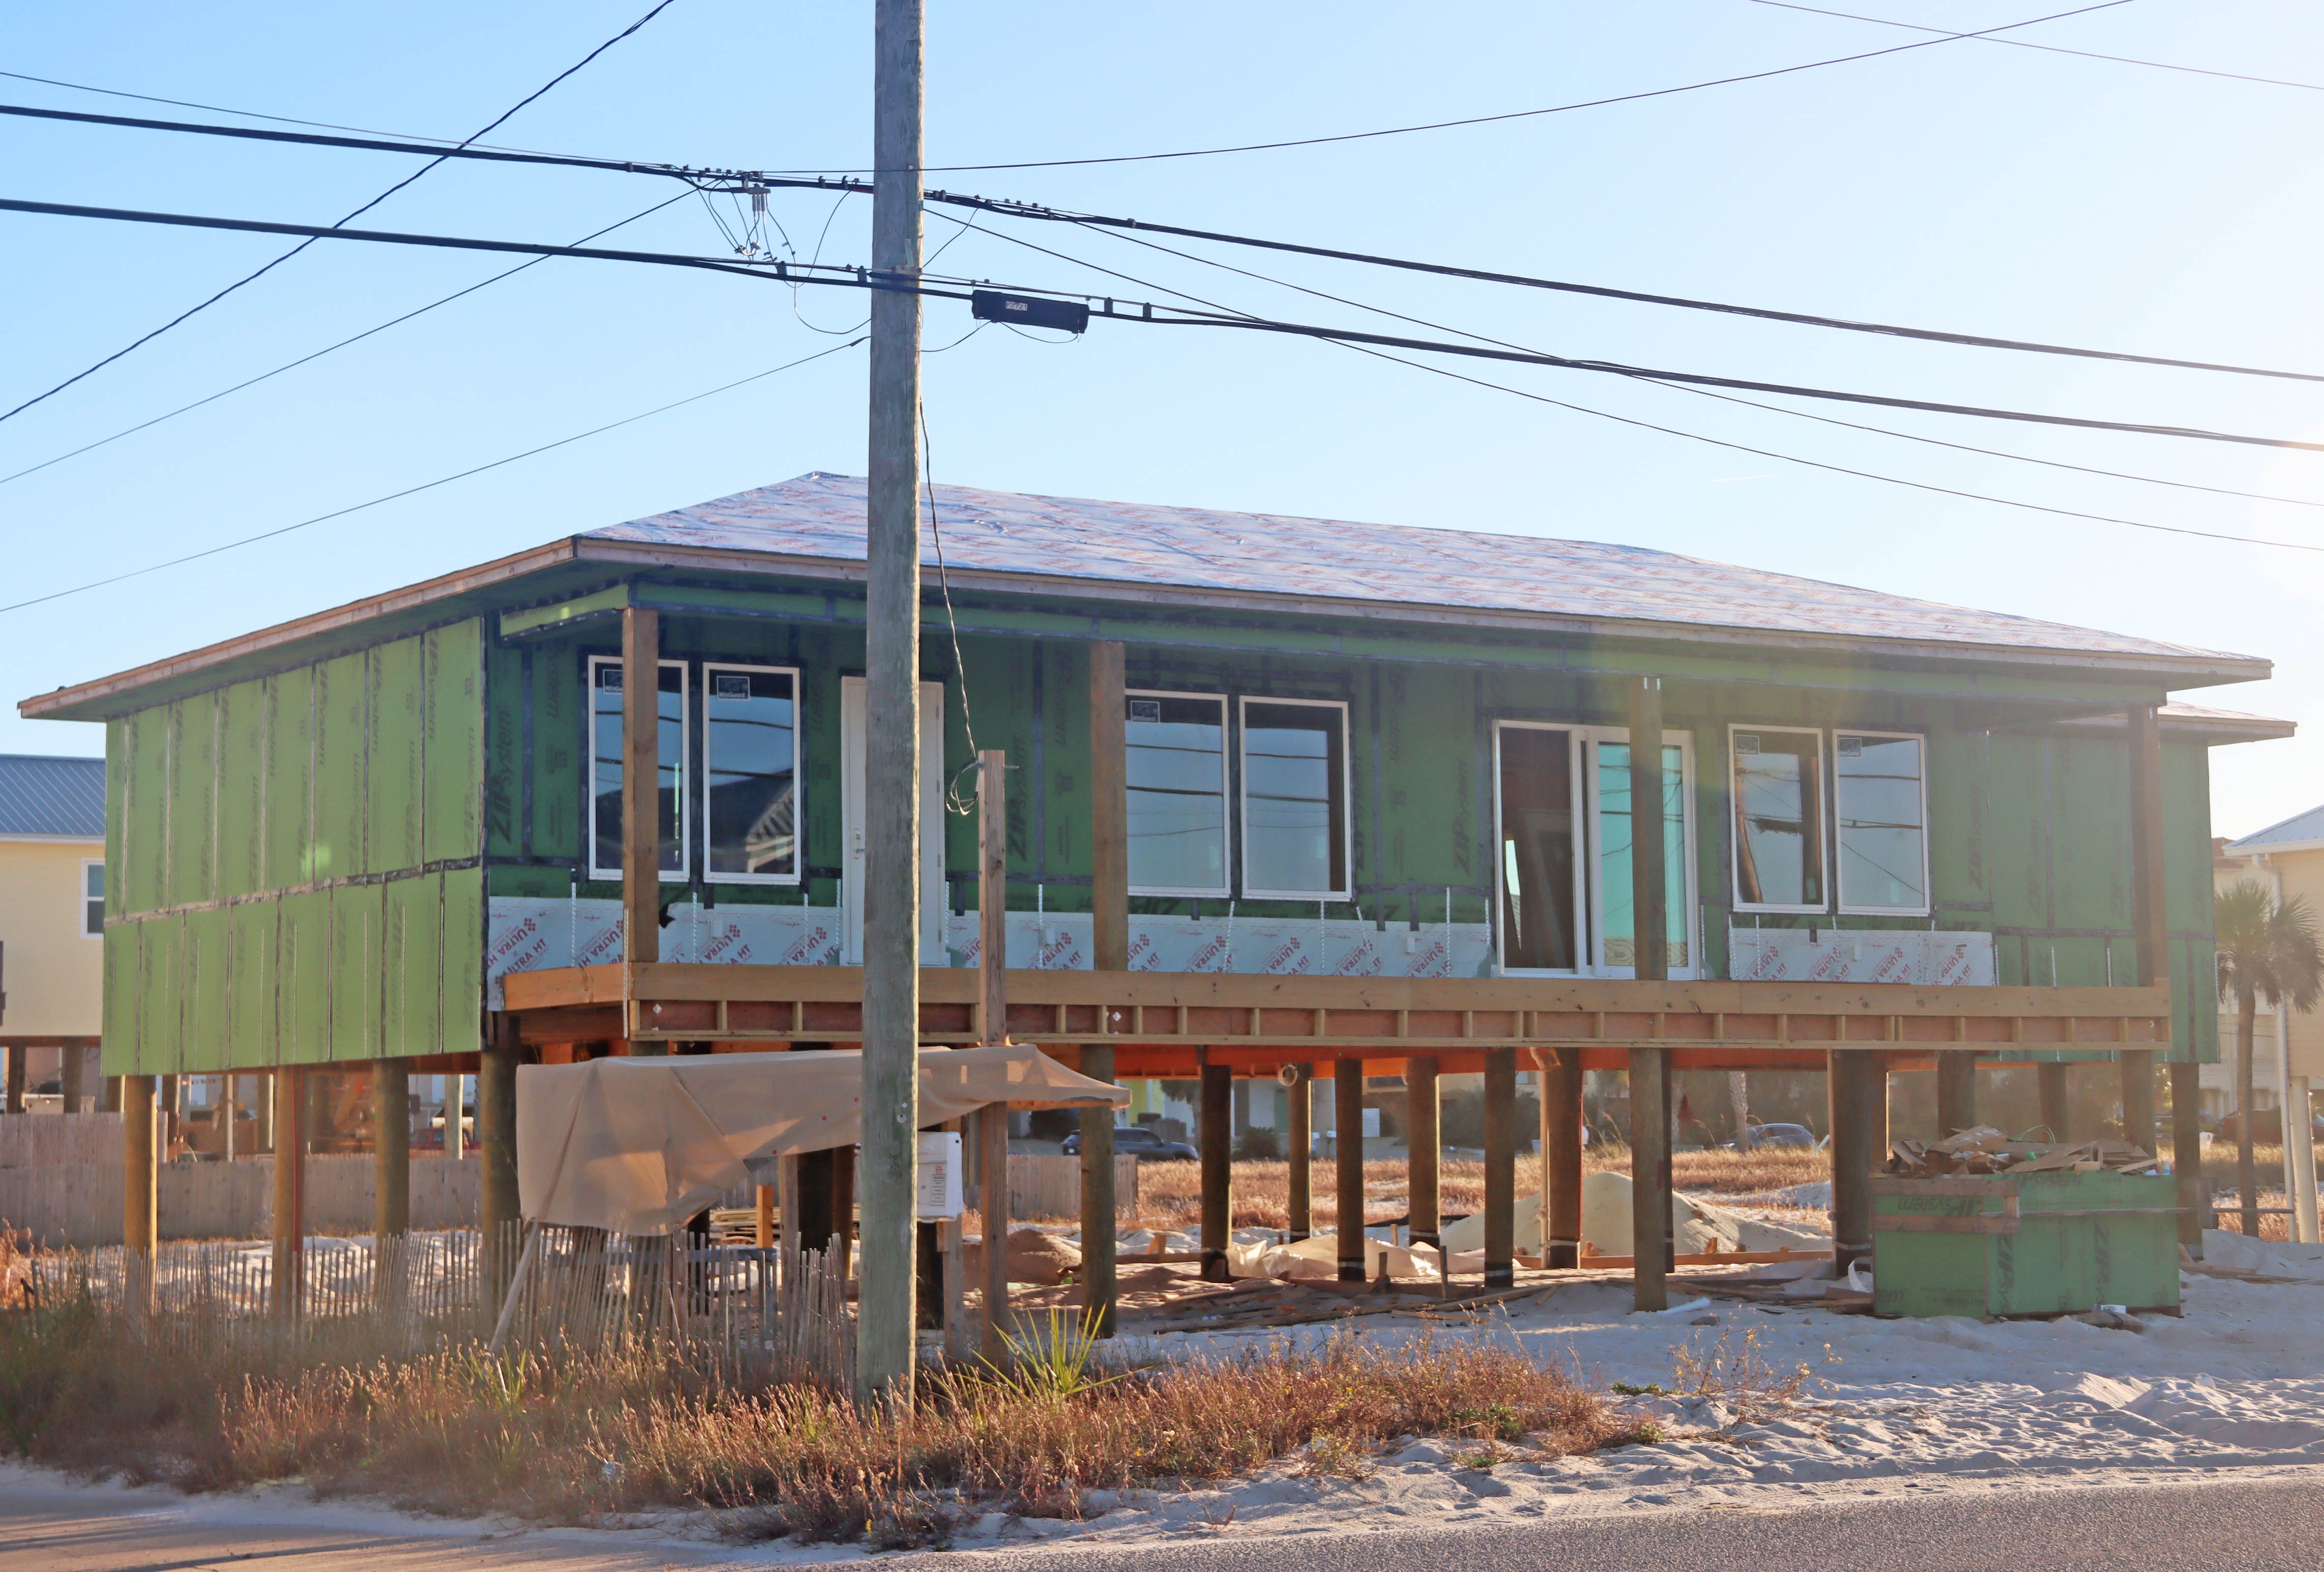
x,y
254,277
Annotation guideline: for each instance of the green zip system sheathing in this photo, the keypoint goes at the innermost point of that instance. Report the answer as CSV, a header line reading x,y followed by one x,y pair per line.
x,y
300,864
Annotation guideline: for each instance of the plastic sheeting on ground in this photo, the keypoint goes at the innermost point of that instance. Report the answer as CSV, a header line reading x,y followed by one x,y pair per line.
x,y
1318,1257
640,1145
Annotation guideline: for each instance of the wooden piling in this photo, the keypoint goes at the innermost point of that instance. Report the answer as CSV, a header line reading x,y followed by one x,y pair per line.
x,y
1561,1151
496,1149
763,1233
2186,1154
1859,1089
1216,1141
141,1180
1501,1166
1348,1167
1424,1140
290,1192
390,1124
1299,1152
2050,1087
1956,1092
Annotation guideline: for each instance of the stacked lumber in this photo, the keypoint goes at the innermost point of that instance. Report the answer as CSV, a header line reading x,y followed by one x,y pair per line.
x,y
1986,1150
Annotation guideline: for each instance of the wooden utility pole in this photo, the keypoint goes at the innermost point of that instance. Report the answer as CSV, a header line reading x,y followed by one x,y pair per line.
x,y
887,1176
993,977
1110,946
1650,1067
1214,1117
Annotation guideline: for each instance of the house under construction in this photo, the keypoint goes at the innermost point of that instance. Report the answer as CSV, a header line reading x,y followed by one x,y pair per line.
x,y
1291,799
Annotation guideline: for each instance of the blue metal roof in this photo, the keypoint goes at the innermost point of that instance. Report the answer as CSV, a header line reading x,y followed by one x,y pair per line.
x,y
1246,555
44,795
2301,830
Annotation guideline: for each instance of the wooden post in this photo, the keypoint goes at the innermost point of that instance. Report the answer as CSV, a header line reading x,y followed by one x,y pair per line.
x,y
390,1124
989,1125
69,1079
1348,1166
1216,1141
2194,1195
15,1094
1956,1092
1423,1139
2151,911
1109,952
169,1093
1561,1157
763,1233
230,1116
1299,1152
2049,1085
641,784
262,1107
1650,1067
290,1191
496,1147
141,1178
1501,1166
1859,1145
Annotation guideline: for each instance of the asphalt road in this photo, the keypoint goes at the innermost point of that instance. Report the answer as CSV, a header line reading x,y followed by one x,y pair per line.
x,y
2219,1527
2274,1527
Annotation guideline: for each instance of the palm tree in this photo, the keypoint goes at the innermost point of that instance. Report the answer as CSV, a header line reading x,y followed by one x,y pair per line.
x,y
2266,950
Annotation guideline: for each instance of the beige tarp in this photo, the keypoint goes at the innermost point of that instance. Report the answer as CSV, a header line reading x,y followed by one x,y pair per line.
x,y
640,1145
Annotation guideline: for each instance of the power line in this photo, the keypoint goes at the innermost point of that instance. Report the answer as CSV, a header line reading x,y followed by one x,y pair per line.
x,y
424,486
2120,60
1675,387
1736,447
734,179
329,349
659,7
1487,119
861,278
1798,319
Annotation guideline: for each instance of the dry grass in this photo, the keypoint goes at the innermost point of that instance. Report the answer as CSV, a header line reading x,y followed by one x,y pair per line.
x,y
589,1439
1169,1193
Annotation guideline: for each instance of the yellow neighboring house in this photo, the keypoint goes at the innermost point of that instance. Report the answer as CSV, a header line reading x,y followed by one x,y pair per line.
x,y
2288,859
51,928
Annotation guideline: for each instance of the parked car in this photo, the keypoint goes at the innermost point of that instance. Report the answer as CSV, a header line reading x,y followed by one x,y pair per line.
x,y
1138,1141
1775,1135
2267,1128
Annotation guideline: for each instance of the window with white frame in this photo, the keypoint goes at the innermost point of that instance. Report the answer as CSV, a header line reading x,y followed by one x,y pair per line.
x,y
1880,817
605,679
1295,799
750,774
1776,785
92,900
1175,763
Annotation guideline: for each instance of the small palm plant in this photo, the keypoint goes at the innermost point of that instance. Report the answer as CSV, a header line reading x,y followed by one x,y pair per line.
x,y
2267,951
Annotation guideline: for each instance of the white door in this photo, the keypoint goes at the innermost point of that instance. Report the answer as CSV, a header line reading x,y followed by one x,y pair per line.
x,y
850,814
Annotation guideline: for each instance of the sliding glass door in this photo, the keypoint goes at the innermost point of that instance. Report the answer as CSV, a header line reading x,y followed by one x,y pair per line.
x,y
1562,870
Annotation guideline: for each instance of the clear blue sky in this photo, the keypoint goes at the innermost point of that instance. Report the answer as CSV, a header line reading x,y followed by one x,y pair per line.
x,y
1967,185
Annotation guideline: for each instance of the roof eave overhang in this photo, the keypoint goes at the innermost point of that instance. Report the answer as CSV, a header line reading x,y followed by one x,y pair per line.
x,y
92,701
2178,671
90,698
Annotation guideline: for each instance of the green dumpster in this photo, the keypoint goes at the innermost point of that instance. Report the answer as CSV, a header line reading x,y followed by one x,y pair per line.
x,y
2023,1244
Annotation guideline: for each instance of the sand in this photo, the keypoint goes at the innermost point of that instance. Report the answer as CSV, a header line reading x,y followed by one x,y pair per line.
x,y
2232,1388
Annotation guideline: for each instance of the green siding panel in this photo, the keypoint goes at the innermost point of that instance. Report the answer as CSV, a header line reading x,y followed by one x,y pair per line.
x,y
411,964
396,756
358,918
193,794
124,1028
342,740
145,813
208,979
254,978
240,855
290,704
302,969
453,728
463,941
160,1022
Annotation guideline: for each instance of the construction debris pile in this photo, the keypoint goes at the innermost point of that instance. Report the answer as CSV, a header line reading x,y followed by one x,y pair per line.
x,y
1986,1150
